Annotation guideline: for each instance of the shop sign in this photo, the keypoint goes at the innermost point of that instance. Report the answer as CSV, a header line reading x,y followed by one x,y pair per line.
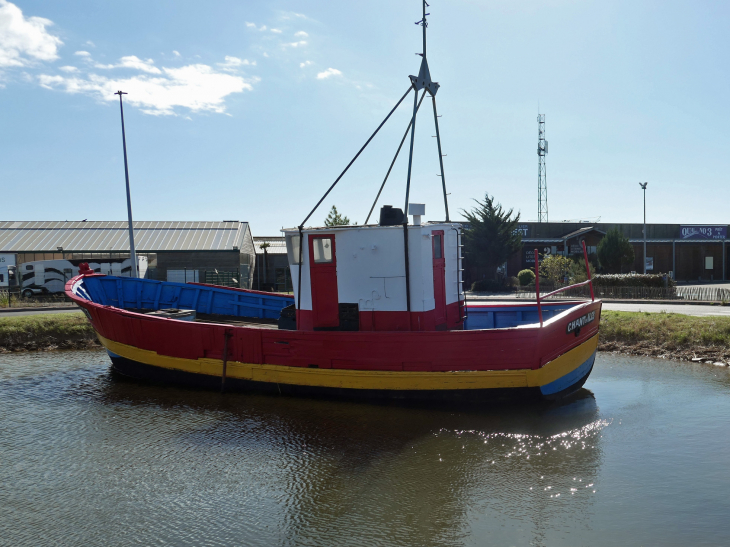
x,y
541,254
649,263
522,229
703,232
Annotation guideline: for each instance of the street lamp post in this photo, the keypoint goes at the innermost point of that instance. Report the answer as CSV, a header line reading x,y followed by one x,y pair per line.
x,y
132,252
643,187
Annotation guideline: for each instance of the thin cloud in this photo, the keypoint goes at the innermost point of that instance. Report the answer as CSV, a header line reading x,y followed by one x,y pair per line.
x,y
305,64
68,69
198,88
176,53
300,43
276,30
82,53
233,63
24,40
135,63
328,73
90,43
301,34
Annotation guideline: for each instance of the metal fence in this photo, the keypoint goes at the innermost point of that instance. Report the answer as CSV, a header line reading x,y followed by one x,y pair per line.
x,y
13,299
706,294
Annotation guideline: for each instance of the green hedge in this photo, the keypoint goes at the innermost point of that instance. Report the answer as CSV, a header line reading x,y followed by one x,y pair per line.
x,y
632,280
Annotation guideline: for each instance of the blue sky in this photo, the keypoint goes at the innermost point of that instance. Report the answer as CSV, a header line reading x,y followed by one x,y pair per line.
x,y
249,110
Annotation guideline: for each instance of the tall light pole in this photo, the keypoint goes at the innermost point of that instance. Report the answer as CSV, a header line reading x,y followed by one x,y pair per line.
x,y
132,252
643,187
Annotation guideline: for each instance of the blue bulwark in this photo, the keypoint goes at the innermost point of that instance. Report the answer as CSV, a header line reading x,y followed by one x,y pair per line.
x,y
503,317
126,292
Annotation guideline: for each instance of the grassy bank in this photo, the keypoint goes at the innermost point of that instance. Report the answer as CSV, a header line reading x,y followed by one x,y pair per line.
x,y
667,335
46,332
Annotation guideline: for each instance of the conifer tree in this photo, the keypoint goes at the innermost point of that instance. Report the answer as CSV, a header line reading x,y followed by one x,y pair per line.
x,y
492,236
614,251
336,219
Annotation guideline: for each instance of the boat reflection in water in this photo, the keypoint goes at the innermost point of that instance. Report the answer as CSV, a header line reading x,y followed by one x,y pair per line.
x,y
327,472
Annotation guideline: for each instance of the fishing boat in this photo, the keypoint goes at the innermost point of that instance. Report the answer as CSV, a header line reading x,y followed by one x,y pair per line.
x,y
378,311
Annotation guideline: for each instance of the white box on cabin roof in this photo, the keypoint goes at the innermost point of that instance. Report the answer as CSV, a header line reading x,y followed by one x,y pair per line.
x,y
370,265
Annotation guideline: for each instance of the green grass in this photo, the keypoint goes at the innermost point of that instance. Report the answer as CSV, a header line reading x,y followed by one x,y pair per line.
x,y
668,330
45,331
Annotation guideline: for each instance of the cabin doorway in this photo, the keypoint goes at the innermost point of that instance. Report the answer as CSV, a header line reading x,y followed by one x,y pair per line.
x,y
439,278
323,272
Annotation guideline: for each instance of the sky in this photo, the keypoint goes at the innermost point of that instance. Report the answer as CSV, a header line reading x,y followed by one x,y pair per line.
x,y
249,110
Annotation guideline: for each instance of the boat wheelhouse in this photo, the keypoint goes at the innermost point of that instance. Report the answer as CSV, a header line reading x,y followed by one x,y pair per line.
x,y
354,278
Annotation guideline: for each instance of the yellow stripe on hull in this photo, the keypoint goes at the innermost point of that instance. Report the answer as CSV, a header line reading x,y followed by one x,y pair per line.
x,y
365,379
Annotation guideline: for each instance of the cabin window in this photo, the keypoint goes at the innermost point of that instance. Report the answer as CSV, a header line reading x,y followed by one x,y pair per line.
x,y
2,278
68,271
29,267
292,248
322,250
437,252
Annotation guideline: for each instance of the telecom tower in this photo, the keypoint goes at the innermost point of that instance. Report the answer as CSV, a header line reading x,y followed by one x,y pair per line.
x,y
542,150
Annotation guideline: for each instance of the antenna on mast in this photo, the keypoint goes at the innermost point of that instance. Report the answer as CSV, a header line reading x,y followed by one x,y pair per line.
x,y
542,150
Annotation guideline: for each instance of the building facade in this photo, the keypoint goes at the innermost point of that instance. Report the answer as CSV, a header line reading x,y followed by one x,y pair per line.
x,y
689,252
221,253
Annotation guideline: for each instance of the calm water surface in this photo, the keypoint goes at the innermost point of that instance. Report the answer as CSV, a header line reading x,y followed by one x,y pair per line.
x,y
639,457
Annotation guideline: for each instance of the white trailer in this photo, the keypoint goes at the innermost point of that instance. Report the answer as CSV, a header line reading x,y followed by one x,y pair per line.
x,y
7,270
50,276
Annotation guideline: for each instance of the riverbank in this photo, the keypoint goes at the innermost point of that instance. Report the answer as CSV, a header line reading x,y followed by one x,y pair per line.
x,y
44,332
664,335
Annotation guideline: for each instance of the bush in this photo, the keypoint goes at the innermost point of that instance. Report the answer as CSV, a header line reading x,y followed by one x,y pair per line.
x,y
526,277
555,268
513,282
488,285
632,280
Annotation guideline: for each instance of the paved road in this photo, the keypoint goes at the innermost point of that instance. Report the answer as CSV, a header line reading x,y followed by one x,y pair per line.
x,y
20,313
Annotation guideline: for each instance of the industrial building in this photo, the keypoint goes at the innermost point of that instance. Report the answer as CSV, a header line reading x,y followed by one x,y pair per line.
x,y
207,252
689,252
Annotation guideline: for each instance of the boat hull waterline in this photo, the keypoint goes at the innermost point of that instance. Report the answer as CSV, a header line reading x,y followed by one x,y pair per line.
x,y
469,365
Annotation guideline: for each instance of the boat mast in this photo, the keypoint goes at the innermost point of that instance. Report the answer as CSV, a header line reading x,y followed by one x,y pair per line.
x,y
422,81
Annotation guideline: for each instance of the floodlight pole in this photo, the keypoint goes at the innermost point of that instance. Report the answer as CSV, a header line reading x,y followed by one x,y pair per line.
x,y
643,187
132,252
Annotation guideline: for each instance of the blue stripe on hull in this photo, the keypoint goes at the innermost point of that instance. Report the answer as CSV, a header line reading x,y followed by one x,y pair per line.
x,y
569,379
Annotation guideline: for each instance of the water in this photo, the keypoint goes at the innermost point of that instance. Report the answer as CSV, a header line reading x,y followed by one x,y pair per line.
x,y
640,457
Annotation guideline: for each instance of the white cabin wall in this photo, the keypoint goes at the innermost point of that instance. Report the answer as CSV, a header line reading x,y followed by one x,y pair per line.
x,y
451,251
421,268
370,268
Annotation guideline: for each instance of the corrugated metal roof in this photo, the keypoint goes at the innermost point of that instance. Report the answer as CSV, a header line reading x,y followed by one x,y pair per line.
x,y
277,245
114,237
